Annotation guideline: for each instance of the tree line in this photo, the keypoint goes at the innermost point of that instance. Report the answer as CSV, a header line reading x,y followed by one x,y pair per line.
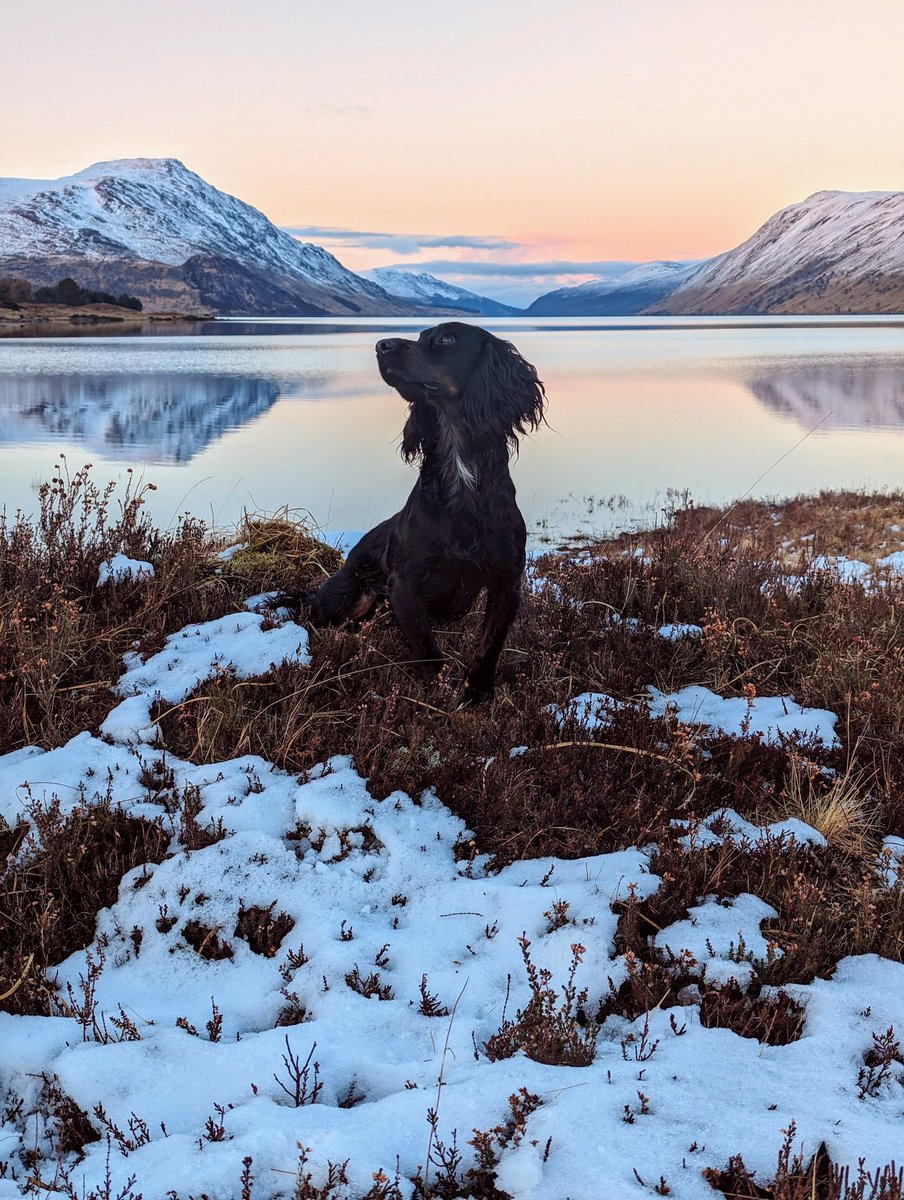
x,y
14,292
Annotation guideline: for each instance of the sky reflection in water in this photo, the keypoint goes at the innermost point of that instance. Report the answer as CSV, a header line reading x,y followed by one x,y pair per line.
x,y
294,413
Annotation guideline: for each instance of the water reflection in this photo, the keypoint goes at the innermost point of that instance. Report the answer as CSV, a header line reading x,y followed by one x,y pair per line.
x,y
259,419
162,418
836,396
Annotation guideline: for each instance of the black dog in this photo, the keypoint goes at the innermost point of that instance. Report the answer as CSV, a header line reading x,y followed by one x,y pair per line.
x,y
470,395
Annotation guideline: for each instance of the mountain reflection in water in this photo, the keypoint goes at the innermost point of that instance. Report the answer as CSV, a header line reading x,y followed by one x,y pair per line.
x,y
837,396
163,418
266,416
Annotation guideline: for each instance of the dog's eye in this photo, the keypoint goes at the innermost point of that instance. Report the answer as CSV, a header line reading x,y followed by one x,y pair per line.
x,y
446,339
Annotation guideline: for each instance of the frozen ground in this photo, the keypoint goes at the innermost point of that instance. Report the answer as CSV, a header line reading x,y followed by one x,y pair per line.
x,y
326,923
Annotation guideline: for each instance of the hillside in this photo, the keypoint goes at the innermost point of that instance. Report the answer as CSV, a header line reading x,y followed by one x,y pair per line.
x,y
155,229
836,252
277,919
618,295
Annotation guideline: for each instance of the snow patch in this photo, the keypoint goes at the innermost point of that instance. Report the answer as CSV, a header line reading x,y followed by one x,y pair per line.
x,y
120,569
774,718
237,645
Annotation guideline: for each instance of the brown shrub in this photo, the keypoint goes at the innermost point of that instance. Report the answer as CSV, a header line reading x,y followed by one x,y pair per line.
x,y
51,892
548,1029
206,941
797,1178
262,930
776,1020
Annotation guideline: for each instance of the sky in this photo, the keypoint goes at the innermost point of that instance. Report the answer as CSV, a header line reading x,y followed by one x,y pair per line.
x,y
512,146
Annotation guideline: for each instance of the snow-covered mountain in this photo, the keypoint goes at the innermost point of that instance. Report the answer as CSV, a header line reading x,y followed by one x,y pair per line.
x,y
615,295
428,290
153,227
836,252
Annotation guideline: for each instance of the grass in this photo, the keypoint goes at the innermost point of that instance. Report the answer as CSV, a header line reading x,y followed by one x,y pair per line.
x,y
771,624
62,636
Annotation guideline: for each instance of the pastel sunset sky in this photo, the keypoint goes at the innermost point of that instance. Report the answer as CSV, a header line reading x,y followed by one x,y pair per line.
x,y
512,145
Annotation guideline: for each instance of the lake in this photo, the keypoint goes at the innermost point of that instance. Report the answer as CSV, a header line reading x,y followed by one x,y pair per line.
x,y
234,415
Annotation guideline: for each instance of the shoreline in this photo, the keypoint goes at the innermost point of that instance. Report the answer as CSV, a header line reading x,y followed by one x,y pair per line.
x,y
30,315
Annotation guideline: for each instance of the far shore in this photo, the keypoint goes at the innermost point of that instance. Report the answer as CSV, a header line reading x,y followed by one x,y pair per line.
x,y
30,314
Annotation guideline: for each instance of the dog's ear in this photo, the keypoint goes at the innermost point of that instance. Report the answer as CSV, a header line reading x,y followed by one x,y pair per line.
x,y
503,394
419,431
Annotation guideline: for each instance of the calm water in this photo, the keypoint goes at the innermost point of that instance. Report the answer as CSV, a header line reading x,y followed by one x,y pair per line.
x,y
238,415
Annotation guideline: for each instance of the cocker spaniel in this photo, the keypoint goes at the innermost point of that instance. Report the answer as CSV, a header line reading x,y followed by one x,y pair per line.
x,y
470,396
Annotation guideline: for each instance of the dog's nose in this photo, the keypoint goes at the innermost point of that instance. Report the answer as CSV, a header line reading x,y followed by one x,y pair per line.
x,y
387,345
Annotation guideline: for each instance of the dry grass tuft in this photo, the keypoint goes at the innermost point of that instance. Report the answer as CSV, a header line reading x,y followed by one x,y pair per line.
x,y
282,551
841,809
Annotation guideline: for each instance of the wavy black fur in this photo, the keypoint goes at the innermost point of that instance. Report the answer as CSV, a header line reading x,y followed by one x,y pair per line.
x,y
471,397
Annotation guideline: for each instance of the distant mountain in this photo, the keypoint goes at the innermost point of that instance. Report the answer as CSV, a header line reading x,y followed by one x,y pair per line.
x,y
620,295
836,252
428,290
151,227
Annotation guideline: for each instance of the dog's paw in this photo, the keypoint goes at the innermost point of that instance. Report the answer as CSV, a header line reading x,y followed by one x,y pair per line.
x,y
294,600
474,696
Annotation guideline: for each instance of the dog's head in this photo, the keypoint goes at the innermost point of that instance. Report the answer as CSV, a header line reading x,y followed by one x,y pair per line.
x,y
480,382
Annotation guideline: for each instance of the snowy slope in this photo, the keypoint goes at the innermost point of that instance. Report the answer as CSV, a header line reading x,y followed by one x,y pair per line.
x,y
390,964
427,289
616,295
834,252
156,210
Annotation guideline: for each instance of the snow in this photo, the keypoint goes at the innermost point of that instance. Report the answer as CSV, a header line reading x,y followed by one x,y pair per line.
x,y
710,1090
723,936
158,210
592,710
661,276
891,859
674,633
849,570
894,562
725,825
662,271
237,645
774,718
422,288
122,569
377,886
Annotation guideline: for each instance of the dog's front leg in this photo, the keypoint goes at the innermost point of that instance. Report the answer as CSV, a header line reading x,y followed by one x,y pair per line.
x,y
501,610
411,614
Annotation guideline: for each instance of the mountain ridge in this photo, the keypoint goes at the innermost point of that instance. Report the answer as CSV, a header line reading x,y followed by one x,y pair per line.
x,y
151,227
624,294
424,288
208,249
835,252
